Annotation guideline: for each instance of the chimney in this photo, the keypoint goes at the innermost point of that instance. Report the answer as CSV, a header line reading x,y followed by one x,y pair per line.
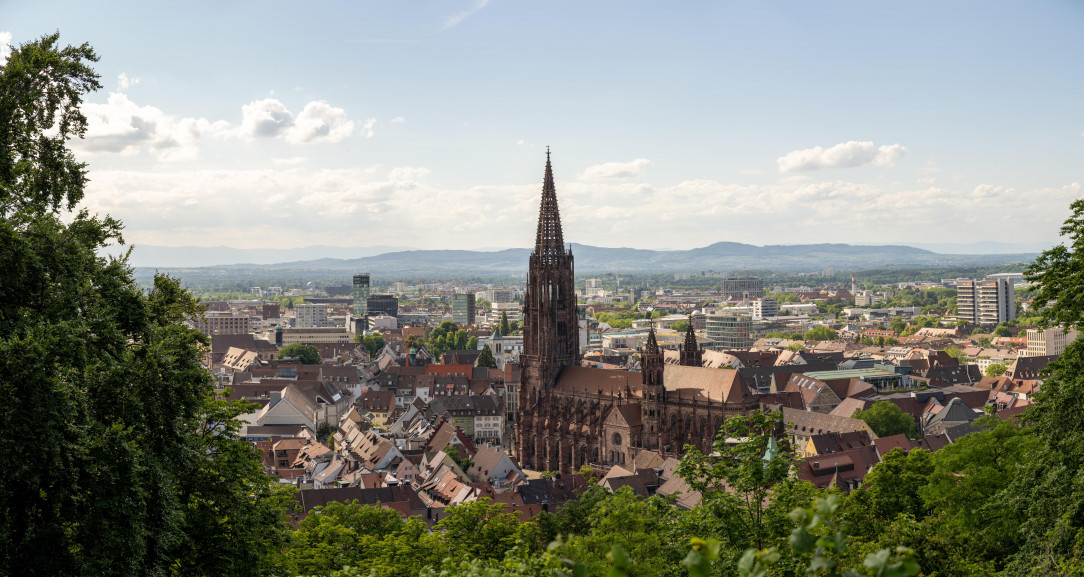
x,y
276,396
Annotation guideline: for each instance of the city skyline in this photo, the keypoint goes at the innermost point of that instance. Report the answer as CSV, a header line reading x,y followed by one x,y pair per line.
x,y
255,125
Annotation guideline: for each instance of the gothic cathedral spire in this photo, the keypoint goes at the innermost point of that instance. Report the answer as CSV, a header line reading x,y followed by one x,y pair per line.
x,y
691,353
551,336
549,243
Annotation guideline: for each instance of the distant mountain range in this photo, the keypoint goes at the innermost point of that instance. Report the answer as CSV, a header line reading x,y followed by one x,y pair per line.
x,y
721,256
149,255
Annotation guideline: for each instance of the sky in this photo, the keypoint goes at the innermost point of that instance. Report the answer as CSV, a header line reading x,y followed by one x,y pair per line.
x,y
672,125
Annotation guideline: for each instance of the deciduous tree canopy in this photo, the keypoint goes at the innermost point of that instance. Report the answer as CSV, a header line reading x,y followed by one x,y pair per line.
x,y
117,459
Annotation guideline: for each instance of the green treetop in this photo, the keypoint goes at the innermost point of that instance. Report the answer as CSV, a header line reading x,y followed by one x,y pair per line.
x,y
887,419
118,459
307,354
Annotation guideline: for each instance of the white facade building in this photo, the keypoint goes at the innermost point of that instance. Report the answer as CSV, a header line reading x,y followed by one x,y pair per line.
x,y
311,316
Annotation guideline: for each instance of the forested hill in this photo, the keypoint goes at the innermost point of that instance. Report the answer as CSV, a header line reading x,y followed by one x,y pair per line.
x,y
719,256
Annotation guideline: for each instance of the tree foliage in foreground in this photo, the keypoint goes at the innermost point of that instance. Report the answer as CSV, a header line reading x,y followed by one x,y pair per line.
x,y
117,459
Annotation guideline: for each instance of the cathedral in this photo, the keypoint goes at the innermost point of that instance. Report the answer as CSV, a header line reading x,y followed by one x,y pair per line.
x,y
570,415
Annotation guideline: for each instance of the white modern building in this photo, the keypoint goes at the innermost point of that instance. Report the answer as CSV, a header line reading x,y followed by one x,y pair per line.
x,y
1051,341
311,316
985,302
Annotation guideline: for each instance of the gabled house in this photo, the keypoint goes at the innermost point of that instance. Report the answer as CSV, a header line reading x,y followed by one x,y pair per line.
x,y
493,465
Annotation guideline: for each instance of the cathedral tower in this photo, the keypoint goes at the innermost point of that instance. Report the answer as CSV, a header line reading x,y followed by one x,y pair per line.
x,y
654,392
550,328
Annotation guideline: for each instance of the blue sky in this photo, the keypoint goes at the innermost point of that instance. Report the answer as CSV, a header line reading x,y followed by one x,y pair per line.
x,y
673,125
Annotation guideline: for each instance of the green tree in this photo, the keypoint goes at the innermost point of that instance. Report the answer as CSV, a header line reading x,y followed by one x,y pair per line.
x,y
966,478
680,326
1002,331
889,490
341,535
821,546
996,369
887,419
472,343
954,352
478,530
740,476
486,359
462,461
505,328
1047,494
820,334
307,354
118,460
636,525
1058,275
374,342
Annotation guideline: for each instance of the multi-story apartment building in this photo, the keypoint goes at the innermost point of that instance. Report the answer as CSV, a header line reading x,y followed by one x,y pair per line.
x,y
742,288
224,323
866,298
765,307
311,315
514,311
985,302
1051,341
317,336
463,309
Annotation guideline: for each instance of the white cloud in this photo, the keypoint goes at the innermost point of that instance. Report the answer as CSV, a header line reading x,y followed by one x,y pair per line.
x,y
367,128
456,19
615,170
317,122
124,82
300,205
844,155
5,46
398,120
120,126
989,191
267,118
291,161
320,122
406,173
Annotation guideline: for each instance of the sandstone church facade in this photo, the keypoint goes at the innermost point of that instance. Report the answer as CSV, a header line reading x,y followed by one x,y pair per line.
x,y
570,415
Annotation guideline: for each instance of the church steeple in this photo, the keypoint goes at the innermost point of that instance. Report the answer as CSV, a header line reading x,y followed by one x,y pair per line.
x,y
551,334
549,243
691,355
652,347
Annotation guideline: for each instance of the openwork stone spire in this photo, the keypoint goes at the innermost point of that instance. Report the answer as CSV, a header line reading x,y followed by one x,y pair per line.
x,y
691,355
652,347
549,242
